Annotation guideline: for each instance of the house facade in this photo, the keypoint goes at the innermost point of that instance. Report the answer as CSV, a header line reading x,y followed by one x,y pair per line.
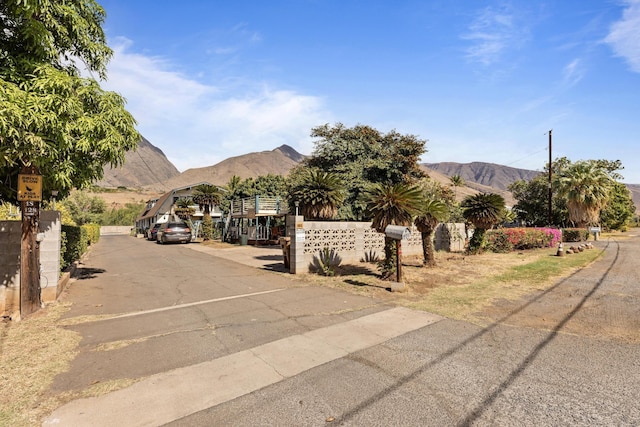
x,y
162,209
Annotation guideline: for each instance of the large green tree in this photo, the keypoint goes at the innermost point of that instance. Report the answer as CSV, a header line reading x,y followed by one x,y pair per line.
x,y
620,209
586,185
51,118
532,206
362,157
84,208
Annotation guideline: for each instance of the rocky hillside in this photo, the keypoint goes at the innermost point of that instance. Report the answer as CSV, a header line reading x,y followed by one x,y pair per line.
x,y
145,166
148,169
490,177
277,162
486,174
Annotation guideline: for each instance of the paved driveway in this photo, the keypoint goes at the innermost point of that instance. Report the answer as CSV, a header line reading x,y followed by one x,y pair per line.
x,y
214,342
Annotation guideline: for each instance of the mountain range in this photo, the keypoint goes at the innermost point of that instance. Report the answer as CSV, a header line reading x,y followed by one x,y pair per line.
x,y
148,169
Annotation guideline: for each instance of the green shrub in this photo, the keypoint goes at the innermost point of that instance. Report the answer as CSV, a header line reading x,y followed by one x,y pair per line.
x,y
63,250
93,233
498,241
575,234
76,243
508,239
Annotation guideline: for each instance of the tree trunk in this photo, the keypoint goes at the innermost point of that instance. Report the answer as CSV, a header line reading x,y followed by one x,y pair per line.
x,y
428,252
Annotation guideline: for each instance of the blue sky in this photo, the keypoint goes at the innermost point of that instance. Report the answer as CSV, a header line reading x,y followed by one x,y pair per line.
x,y
480,80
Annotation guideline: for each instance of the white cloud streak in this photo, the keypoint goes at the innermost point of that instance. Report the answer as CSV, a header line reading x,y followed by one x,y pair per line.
x,y
624,35
573,72
492,33
198,125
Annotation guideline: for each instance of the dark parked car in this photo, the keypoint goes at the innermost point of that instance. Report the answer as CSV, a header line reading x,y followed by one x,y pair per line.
x,y
173,232
151,233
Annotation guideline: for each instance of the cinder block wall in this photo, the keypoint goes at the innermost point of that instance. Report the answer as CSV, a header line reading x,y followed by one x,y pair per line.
x,y
50,226
350,242
10,233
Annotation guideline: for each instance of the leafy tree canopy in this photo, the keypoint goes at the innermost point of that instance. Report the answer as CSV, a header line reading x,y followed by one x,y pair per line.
x,y
590,186
532,204
269,185
319,193
85,209
361,157
52,119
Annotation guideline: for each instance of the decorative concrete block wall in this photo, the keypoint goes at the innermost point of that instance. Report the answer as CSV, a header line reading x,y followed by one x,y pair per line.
x,y
351,242
348,242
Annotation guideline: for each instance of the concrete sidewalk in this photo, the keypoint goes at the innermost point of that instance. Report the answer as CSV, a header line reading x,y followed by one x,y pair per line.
x,y
264,257
172,395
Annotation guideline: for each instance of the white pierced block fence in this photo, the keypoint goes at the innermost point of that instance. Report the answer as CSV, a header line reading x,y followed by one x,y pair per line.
x,y
352,242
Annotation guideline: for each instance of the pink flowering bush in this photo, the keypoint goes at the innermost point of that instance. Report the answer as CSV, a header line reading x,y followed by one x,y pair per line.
x,y
508,239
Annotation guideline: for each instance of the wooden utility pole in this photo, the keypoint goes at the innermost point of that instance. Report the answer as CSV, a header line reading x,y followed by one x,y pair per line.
x,y
29,196
550,179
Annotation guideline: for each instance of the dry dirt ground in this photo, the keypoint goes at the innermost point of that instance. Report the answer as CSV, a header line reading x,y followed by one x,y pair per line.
x,y
118,199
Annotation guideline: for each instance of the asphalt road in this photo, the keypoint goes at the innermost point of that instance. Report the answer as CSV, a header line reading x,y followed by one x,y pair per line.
x,y
172,315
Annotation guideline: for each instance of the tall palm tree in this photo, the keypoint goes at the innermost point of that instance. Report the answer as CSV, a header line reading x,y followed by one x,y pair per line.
x,y
587,189
206,197
483,210
456,181
431,213
319,194
183,209
392,205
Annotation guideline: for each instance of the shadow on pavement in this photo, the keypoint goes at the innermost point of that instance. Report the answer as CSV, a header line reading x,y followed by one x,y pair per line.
x,y
490,399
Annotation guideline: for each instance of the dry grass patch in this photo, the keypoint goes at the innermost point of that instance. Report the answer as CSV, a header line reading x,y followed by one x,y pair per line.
x,y
461,285
33,351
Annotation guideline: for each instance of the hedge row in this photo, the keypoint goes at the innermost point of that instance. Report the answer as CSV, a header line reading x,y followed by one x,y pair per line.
x,y
575,234
509,239
75,240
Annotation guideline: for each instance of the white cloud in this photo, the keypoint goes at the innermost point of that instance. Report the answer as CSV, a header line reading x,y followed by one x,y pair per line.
x,y
196,124
492,33
573,72
624,36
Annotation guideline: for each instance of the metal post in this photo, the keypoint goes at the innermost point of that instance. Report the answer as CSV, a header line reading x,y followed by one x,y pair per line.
x,y
399,261
550,178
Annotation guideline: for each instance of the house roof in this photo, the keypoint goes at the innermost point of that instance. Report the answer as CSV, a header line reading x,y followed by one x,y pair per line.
x,y
160,201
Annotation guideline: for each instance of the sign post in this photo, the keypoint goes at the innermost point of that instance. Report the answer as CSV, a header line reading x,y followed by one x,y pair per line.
x,y
29,196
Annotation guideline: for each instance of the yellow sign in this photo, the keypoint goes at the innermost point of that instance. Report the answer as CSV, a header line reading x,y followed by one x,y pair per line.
x,y
29,188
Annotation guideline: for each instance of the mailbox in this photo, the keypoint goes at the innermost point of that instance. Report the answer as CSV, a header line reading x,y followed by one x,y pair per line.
x,y
397,232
